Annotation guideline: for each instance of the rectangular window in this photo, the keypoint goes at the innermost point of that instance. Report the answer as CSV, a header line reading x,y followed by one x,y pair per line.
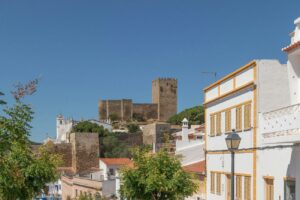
x,y
212,125
247,188
238,185
269,189
239,118
212,182
218,187
290,190
228,121
247,116
219,132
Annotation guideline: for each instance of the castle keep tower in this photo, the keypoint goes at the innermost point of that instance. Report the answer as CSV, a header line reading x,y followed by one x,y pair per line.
x,y
164,94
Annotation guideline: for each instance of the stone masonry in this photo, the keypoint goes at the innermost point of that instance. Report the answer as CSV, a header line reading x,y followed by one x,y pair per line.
x,y
85,151
163,106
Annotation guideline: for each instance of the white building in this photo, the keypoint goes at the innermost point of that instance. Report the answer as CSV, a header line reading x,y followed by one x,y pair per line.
x,y
190,148
189,143
64,127
261,101
110,168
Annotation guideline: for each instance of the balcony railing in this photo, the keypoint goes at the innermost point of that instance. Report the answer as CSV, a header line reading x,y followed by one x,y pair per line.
x,y
281,125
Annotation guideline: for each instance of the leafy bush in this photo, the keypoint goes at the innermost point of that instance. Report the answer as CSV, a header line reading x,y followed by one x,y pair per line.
x,y
89,127
195,115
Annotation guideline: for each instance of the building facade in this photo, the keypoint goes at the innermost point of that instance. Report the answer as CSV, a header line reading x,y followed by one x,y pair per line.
x,y
260,101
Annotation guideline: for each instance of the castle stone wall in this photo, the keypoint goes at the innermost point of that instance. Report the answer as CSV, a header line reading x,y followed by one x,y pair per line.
x,y
145,110
85,151
154,133
163,106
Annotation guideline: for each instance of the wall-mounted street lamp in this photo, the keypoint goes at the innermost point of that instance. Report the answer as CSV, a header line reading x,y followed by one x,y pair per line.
x,y
232,141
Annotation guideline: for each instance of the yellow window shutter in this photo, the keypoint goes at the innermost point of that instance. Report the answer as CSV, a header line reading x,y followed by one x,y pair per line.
x,y
247,116
239,118
219,124
228,121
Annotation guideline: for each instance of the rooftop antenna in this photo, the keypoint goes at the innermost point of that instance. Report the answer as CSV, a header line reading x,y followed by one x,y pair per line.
x,y
211,73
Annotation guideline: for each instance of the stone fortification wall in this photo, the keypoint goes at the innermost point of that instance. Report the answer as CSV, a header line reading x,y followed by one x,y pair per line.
x,y
85,151
164,94
131,139
122,109
145,111
154,133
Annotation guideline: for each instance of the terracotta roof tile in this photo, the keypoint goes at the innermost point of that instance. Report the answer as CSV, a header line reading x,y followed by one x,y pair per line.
x,y
198,167
116,161
291,47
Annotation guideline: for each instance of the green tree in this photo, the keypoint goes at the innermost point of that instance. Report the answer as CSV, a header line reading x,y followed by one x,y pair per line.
x,y
89,127
114,148
195,115
133,128
156,177
23,174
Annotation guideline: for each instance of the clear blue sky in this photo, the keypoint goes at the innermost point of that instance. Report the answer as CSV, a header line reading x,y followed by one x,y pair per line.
x,y
91,50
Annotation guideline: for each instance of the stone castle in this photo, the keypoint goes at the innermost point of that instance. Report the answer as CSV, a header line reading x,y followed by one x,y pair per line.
x,y
163,106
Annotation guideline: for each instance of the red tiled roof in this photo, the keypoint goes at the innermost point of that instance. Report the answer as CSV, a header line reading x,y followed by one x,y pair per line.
x,y
116,161
291,47
198,167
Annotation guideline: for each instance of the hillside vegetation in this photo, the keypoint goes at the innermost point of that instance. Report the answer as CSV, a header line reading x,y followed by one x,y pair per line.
x,y
195,115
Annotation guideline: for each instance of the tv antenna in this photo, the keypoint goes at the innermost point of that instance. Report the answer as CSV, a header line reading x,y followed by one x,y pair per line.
x,y
211,73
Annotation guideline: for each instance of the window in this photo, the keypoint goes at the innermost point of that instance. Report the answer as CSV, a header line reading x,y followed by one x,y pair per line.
x,y
219,132
289,190
212,125
247,116
212,182
218,188
247,188
269,189
111,171
228,121
238,118
238,192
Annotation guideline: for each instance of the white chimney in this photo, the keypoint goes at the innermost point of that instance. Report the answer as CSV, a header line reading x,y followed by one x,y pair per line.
x,y
295,35
185,130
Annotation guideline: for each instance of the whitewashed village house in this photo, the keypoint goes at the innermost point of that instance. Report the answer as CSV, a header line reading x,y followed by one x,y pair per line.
x,y
261,100
190,148
64,127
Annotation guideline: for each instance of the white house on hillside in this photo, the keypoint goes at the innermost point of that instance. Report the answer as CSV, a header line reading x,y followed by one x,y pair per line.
x,y
64,127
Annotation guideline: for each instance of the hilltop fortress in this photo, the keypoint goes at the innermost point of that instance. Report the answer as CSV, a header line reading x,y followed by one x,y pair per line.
x,y
163,106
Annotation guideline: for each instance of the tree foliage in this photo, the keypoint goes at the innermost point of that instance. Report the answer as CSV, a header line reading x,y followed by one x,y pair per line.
x,y
89,127
195,115
156,177
23,174
114,148
133,128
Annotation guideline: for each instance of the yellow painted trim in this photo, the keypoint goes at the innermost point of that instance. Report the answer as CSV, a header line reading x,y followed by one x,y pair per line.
x,y
234,82
248,65
219,91
231,107
254,133
268,177
228,152
251,83
289,178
